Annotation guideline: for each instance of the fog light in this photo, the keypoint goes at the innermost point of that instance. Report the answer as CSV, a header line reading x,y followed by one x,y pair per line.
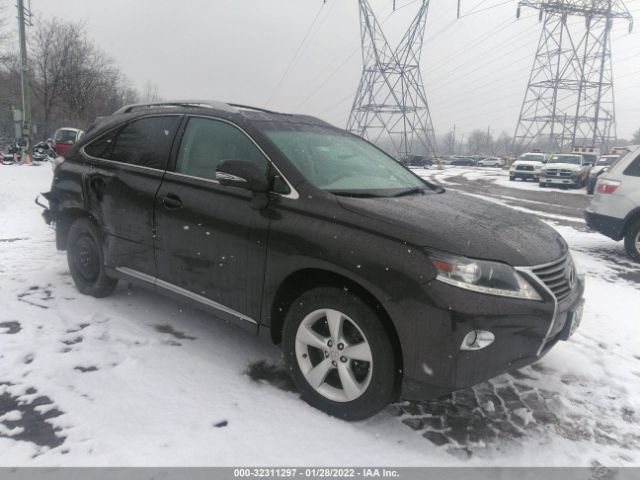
x,y
477,339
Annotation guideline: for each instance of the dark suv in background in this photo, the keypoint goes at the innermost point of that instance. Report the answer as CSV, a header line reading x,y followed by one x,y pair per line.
x,y
377,283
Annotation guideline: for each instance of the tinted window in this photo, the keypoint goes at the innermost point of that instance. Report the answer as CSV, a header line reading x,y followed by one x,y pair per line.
x,y
208,142
101,147
633,169
146,142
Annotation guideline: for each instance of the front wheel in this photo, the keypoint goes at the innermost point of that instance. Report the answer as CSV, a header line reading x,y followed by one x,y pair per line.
x,y
632,241
86,259
339,354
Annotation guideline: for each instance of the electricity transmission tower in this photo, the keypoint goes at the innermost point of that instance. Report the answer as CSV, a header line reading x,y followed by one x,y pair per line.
x,y
569,99
390,108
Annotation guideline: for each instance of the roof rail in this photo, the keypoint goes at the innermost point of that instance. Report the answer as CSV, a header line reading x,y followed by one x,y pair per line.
x,y
248,107
176,104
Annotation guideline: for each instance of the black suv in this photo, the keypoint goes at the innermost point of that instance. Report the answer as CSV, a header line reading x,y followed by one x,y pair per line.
x,y
377,283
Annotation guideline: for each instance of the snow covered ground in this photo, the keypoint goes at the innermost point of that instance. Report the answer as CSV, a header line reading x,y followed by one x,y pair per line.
x,y
138,379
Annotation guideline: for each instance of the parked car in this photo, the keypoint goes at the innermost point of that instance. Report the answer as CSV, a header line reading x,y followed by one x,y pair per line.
x,y
527,167
601,166
463,162
64,138
277,223
564,169
491,162
614,210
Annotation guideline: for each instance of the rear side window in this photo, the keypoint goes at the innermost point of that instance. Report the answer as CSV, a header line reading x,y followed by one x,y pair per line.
x,y
208,142
146,142
633,170
101,147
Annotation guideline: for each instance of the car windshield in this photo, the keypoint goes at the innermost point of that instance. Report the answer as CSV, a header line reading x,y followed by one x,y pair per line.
x,y
573,159
609,160
342,163
66,136
532,157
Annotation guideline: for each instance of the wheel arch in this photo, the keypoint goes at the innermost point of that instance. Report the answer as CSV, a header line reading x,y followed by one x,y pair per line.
x,y
63,224
632,217
303,280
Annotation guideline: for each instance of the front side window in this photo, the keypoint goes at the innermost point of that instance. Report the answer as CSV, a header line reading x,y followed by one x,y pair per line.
x,y
339,162
207,142
146,142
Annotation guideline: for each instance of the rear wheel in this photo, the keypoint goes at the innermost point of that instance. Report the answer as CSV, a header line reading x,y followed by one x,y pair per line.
x,y
632,241
339,354
86,259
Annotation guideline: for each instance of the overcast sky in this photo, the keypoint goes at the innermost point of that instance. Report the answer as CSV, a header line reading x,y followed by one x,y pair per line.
x,y
475,68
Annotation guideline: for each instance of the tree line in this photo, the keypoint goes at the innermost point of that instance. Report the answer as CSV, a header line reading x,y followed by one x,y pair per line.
x,y
72,80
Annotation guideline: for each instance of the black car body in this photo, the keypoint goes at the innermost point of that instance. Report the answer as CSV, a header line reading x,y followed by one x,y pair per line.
x,y
249,254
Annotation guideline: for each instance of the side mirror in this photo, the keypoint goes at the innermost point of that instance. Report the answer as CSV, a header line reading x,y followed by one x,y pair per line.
x,y
242,174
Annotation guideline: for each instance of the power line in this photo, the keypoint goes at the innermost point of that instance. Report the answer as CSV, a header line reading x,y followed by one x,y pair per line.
x,y
295,55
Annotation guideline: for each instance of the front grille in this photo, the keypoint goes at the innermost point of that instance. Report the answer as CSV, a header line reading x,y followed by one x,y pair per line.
x,y
556,276
555,172
528,168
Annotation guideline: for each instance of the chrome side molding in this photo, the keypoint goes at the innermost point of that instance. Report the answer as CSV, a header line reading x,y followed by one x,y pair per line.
x,y
183,292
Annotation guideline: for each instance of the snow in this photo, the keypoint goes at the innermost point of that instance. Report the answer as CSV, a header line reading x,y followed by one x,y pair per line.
x,y
496,175
137,379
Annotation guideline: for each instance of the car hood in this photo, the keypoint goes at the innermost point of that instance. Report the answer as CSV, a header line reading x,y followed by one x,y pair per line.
x,y
527,162
598,169
564,166
462,225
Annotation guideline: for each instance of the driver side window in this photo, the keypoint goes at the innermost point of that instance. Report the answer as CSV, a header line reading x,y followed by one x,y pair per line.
x,y
207,142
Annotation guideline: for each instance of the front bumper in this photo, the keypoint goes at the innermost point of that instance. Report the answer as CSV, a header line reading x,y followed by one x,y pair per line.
x,y
434,364
524,174
570,181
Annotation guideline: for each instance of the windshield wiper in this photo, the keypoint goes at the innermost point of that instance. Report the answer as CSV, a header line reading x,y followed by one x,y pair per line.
x,y
411,191
346,193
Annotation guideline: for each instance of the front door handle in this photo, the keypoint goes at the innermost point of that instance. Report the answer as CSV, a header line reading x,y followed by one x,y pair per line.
x,y
171,201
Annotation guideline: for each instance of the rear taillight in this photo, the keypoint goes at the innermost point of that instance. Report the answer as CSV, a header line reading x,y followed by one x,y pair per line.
x,y
607,186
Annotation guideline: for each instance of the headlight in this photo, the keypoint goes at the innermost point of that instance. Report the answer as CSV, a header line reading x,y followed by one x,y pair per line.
x,y
481,276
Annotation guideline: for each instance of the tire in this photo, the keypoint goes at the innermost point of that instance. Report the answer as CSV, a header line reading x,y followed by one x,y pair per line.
x,y
542,185
632,241
512,178
86,259
318,364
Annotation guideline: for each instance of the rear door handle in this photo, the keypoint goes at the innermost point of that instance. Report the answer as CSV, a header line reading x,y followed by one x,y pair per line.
x,y
171,201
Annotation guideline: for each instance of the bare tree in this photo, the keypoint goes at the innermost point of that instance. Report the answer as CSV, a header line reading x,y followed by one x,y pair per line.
x,y
150,93
480,141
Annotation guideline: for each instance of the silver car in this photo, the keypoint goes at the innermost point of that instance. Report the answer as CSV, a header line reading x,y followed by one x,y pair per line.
x,y
615,208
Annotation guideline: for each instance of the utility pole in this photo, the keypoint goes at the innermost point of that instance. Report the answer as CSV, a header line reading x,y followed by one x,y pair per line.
x,y
390,108
23,14
570,92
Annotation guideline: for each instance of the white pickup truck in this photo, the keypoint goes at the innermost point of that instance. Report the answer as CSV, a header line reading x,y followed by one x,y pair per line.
x,y
565,169
527,167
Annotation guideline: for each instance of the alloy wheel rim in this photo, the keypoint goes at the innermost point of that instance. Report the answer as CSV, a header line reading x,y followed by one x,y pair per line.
x,y
334,355
638,243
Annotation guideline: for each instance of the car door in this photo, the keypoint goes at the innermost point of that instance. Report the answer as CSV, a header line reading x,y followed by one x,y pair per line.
x,y
127,165
210,243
